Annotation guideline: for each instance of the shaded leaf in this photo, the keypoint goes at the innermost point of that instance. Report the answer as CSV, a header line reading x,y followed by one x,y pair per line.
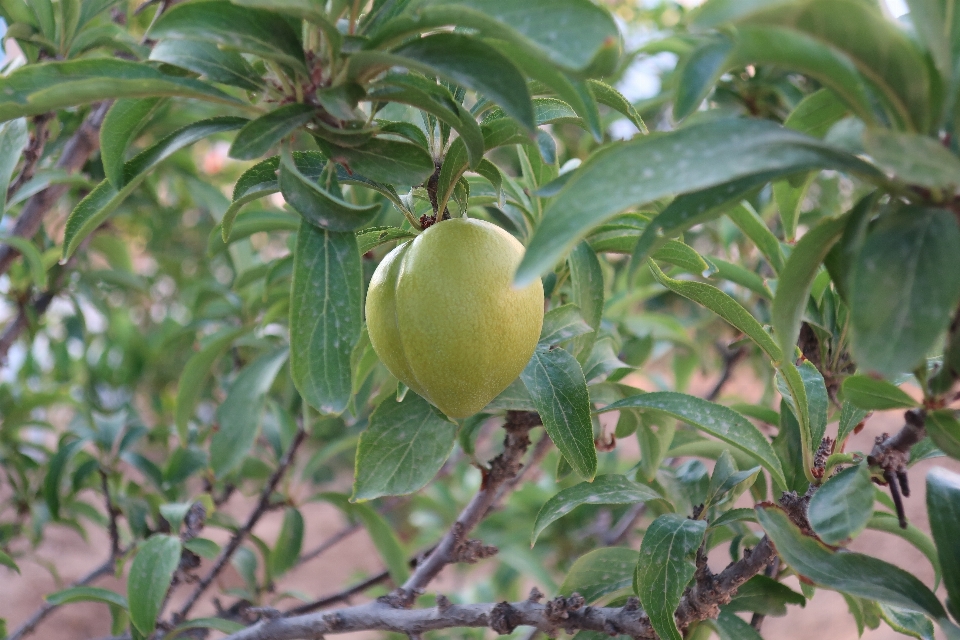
x,y
842,506
207,59
402,449
608,489
871,394
600,573
150,576
260,135
943,507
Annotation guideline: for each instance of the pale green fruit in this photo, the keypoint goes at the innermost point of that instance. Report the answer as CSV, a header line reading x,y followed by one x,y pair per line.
x,y
445,319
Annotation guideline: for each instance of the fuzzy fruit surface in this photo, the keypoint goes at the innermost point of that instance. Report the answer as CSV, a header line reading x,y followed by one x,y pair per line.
x,y
444,317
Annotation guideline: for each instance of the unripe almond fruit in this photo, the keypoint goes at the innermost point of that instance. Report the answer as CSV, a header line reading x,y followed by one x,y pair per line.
x,y
444,318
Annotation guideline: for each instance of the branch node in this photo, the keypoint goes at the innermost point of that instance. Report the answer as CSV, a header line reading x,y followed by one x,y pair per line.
x,y
632,604
535,595
443,603
504,618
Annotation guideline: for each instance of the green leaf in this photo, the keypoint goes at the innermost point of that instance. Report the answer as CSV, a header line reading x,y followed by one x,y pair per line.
x,y
753,226
195,374
207,59
325,316
402,449
219,624
39,88
875,395
321,207
559,391
203,547
587,292
384,160
841,507
717,420
86,594
262,33
765,596
889,523
120,126
789,197
515,397
608,489
8,562
380,532
909,623
600,573
943,507
850,417
944,430
562,323
13,139
880,50
682,161
914,159
934,22
240,413
105,198
665,568
150,576
852,573
724,306
286,551
475,65
796,280
730,627
260,135
904,289
610,97
727,483
570,33
33,258
699,73
55,467
308,10
816,113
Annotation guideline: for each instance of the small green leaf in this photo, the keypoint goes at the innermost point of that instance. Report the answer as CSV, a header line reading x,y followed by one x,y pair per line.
x,y
559,391
665,568
286,551
909,623
383,160
816,113
13,139
86,594
260,135
33,258
765,596
609,489
731,627
699,73
852,573
55,468
796,280
39,88
682,161
727,483
195,373
240,413
724,306
753,226
944,429
256,31
717,420
842,506
219,624
600,573
203,547
402,449
875,395
905,287
8,562
122,123
587,292
610,97
150,576
943,507
207,59
325,316
850,417
562,323
324,208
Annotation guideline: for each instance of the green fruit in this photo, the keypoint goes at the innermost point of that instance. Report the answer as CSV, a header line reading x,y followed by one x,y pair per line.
x,y
445,319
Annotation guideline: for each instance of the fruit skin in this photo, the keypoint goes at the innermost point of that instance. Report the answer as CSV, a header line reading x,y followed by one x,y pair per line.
x,y
444,318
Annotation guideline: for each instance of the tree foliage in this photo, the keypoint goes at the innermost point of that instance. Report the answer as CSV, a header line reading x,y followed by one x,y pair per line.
x,y
198,193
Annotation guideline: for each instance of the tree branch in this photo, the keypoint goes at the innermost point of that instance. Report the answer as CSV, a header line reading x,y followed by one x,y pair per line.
x,y
263,505
503,469
892,453
33,152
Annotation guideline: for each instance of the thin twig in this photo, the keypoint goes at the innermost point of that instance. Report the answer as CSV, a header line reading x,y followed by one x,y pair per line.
x,y
329,542
32,153
892,453
731,357
622,528
263,505
112,513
